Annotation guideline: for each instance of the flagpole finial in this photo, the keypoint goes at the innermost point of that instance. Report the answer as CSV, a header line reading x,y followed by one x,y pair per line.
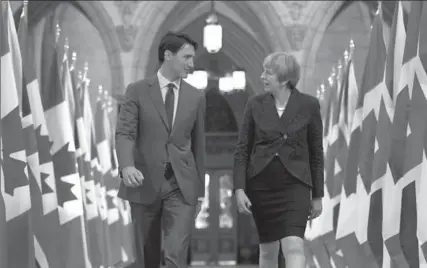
x,y
80,75
25,9
66,46
378,8
105,95
333,71
106,99
101,96
318,93
85,69
73,59
58,32
331,78
339,68
352,47
346,56
322,91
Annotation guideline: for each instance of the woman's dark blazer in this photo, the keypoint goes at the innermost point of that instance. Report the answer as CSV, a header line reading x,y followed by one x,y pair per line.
x,y
296,137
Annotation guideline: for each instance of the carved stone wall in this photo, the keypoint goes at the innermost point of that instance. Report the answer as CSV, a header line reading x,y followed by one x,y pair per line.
x,y
278,25
353,23
296,26
128,32
127,29
93,39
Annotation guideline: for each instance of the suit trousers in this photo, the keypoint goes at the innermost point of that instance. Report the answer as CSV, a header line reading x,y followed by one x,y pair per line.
x,y
175,216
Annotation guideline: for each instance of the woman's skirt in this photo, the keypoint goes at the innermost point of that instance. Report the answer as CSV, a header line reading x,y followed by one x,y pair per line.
x,y
280,203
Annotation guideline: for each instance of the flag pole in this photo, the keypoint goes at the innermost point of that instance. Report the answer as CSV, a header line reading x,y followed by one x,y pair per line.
x,y
80,81
330,79
100,91
80,75
340,67
346,57
100,95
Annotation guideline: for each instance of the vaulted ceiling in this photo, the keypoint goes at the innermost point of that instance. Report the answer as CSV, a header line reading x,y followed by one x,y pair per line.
x,y
38,9
250,27
387,9
245,41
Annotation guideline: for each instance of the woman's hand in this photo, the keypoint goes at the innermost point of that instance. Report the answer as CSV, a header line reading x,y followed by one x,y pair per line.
x,y
243,202
316,208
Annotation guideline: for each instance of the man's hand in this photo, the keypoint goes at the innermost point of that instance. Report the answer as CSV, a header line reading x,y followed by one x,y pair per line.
x,y
243,202
132,177
198,207
316,208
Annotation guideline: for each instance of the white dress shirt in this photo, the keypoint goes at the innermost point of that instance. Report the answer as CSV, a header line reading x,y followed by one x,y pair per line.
x,y
163,83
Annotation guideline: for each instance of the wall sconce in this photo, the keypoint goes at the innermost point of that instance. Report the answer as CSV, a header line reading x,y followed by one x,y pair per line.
x,y
234,81
239,80
198,79
229,82
226,83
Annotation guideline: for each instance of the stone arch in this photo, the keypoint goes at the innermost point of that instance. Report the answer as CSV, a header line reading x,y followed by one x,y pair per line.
x,y
247,55
365,13
271,21
101,20
153,14
364,10
319,22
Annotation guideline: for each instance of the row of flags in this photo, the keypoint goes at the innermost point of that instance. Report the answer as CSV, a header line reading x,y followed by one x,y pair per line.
x,y
58,201
375,139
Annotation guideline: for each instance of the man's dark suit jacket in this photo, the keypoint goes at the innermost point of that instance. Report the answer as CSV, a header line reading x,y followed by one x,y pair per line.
x,y
296,138
144,140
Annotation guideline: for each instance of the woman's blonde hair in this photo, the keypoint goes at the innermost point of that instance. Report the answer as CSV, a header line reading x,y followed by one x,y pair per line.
x,y
285,66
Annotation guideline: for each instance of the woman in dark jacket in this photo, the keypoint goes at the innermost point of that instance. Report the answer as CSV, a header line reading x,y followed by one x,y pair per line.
x,y
278,164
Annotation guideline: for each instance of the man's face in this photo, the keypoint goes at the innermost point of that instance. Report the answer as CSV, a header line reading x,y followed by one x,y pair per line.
x,y
182,63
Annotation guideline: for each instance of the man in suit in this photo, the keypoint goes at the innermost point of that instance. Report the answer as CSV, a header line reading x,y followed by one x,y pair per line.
x,y
160,141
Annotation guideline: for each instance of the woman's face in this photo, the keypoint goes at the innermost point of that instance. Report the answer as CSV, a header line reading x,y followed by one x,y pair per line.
x,y
269,78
